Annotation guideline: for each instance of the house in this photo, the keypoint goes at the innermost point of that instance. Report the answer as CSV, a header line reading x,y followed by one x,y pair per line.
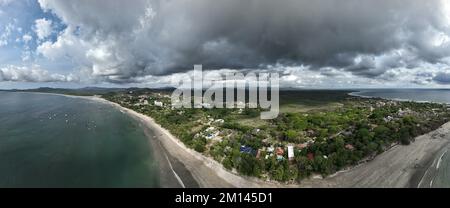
x,y
211,132
349,147
158,103
212,135
209,129
258,154
388,119
279,151
291,152
219,121
280,158
302,146
380,104
245,149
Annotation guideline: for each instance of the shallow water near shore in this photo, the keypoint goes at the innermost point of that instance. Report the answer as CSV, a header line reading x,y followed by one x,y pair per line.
x,y
56,141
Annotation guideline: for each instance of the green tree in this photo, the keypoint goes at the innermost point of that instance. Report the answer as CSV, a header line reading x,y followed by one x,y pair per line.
x,y
291,135
227,163
248,165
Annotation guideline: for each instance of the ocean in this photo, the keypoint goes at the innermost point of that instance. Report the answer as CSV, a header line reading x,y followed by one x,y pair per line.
x,y
56,141
440,169
418,95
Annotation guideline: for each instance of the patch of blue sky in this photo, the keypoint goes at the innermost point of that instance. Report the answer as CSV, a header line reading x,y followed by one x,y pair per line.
x,y
19,17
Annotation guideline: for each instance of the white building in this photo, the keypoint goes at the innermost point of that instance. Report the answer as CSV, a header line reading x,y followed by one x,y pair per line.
x,y
291,152
159,104
220,121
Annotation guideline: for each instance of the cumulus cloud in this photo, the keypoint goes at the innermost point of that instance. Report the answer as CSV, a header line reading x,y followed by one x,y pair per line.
x,y
27,38
5,34
364,38
32,74
43,28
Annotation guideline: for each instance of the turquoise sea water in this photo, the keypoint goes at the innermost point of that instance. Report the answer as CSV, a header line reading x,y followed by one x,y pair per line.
x,y
56,141
442,176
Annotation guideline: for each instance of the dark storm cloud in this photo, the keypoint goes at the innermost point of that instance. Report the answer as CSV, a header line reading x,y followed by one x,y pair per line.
x,y
442,78
163,37
424,74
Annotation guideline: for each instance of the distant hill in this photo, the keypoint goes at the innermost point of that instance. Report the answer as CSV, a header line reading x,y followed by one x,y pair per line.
x,y
287,96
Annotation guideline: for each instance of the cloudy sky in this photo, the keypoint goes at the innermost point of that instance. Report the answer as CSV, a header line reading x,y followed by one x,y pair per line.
x,y
311,43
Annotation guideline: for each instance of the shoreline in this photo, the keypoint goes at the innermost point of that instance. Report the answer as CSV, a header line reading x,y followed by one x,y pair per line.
x,y
207,172
202,172
407,164
172,172
400,166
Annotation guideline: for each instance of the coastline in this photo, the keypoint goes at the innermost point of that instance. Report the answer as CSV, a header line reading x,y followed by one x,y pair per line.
x,y
172,172
207,172
400,166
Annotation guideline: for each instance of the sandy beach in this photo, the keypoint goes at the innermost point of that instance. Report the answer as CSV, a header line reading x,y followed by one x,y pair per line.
x,y
400,166
206,171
